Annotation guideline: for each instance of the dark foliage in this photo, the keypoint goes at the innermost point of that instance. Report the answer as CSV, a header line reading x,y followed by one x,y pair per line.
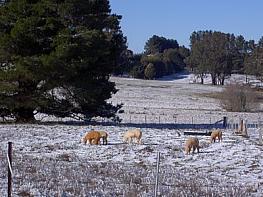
x,y
56,58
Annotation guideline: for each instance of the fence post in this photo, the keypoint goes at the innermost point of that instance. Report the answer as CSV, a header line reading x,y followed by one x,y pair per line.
x,y
157,175
9,159
260,136
260,133
244,131
224,122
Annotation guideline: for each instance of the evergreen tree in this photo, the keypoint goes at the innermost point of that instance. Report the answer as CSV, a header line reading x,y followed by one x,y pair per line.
x,y
254,63
56,58
173,61
157,44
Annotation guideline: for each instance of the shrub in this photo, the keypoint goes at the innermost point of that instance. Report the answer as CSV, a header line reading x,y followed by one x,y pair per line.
x,y
238,98
150,71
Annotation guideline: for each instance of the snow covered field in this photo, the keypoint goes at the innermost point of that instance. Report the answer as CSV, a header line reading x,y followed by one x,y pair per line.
x,y
49,159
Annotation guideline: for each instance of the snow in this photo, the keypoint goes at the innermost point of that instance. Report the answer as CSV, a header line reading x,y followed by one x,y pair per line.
x,y
50,160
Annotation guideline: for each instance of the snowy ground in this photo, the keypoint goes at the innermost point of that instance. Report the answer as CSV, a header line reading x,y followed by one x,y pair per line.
x,y
49,159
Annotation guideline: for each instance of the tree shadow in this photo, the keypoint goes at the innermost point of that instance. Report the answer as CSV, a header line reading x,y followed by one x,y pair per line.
x,y
176,76
200,126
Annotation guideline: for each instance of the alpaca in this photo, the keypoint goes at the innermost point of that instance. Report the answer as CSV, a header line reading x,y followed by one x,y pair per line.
x,y
190,143
104,137
93,137
216,133
131,134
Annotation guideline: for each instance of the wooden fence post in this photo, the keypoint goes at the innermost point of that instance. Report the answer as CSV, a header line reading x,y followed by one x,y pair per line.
x,y
260,132
9,159
224,122
157,175
244,131
260,136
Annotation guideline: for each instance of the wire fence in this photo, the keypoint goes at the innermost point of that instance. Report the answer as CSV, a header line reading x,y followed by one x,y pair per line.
x,y
38,177
63,177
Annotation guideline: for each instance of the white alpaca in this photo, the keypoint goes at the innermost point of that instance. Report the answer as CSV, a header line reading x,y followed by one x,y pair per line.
x,y
131,134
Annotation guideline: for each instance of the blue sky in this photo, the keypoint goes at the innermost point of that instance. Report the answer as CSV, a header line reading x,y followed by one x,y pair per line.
x,y
177,19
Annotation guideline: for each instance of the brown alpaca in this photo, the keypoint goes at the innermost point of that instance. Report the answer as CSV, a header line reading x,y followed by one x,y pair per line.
x,y
104,137
216,133
190,143
93,137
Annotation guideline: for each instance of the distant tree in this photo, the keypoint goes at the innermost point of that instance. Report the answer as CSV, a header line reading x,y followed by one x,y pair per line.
x,y
165,54
158,44
150,71
124,62
136,68
56,58
184,52
254,63
156,60
260,42
210,53
173,61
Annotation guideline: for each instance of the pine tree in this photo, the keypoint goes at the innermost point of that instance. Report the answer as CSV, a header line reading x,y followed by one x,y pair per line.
x,y
56,58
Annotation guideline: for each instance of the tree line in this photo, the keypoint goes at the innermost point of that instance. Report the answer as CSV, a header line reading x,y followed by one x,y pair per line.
x,y
161,57
222,54
211,53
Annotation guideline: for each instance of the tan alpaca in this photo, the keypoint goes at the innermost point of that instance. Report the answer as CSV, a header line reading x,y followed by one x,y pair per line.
x,y
133,134
93,137
216,133
190,143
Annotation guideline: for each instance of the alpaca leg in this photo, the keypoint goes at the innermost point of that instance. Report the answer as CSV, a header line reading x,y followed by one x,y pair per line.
x,y
96,141
90,141
193,149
